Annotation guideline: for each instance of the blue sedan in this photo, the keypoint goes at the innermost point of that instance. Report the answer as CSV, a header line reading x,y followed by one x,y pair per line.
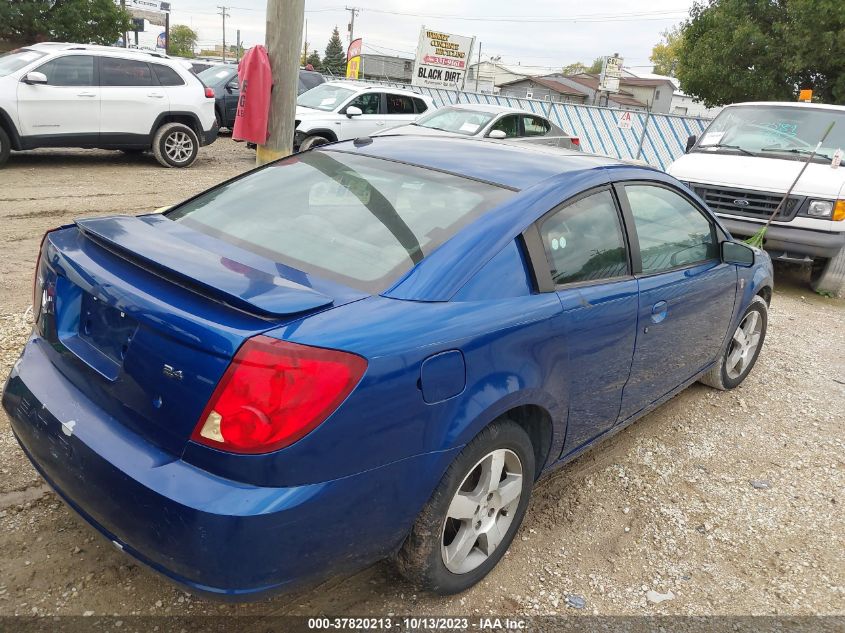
x,y
368,350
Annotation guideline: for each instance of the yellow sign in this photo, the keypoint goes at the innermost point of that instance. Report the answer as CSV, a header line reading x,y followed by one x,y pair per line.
x,y
806,96
353,67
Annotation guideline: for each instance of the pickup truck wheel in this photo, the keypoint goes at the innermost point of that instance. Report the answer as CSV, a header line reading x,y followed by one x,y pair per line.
x,y
828,276
5,146
312,141
175,145
738,358
473,514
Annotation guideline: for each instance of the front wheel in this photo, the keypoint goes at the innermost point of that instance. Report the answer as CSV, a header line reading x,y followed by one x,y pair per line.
x,y
312,141
473,515
175,145
740,355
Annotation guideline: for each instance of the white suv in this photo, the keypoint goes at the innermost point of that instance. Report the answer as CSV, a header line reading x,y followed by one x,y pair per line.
x,y
341,110
78,95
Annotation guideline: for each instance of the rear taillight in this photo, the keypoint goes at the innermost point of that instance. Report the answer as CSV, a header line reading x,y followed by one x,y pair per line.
x,y
274,393
576,141
209,93
37,281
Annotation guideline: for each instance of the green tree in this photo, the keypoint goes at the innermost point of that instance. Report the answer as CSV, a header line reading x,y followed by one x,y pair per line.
x,y
314,60
595,67
664,54
575,68
183,39
84,21
745,50
334,61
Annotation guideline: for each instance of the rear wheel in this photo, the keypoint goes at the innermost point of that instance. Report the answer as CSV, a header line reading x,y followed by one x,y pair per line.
x,y
473,515
175,145
740,355
828,275
5,146
312,141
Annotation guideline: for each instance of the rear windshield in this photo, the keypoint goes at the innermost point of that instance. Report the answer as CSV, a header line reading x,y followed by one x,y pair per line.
x,y
354,219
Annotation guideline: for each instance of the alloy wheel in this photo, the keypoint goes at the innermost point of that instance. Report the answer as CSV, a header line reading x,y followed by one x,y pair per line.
x,y
744,344
178,147
481,512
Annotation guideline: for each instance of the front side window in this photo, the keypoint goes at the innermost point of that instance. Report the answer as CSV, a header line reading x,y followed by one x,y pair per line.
x,y
369,102
399,104
508,124
72,70
584,242
671,231
356,220
535,126
124,72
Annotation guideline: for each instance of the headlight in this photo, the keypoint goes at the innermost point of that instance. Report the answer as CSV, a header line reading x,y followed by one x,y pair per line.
x,y
820,208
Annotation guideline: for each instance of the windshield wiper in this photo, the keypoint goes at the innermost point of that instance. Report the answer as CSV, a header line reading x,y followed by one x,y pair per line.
x,y
795,150
723,146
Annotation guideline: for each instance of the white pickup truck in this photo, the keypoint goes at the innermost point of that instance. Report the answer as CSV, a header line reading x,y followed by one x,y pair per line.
x,y
744,163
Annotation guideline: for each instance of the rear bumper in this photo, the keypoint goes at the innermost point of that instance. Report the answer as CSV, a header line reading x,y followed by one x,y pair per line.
x,y
209,136
213,535
792,241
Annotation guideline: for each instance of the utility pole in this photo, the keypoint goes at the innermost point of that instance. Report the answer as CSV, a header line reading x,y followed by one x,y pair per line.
x,y
285,20
225,15
167,33
125,38
238,47
478,67
353,11
305,46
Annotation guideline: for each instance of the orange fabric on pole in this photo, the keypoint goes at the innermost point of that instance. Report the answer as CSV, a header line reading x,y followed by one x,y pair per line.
x,y
256,81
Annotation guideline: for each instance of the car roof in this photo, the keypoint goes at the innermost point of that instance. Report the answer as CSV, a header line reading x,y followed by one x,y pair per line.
x,y
506,164
486,107
54,47
789,104
360,85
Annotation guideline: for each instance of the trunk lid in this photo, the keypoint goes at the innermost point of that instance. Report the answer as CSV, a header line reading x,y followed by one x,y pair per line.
x,y
144,315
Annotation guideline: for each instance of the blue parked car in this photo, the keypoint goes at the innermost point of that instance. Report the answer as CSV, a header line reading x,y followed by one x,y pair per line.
x,y
369,350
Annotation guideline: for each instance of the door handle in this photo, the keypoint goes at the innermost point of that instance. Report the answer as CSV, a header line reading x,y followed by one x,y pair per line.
x,y
86,94
155,95
659,311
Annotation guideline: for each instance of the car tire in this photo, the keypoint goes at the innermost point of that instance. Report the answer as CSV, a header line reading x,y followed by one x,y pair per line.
x,y
742,350
5,147
175,145
432,556
312,141
828,275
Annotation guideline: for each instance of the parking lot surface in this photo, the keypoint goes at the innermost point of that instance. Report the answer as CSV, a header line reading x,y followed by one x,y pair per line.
x,y
731,501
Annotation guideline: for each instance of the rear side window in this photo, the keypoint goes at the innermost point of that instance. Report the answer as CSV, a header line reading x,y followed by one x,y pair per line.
x,y
399,104
583,240
354,219
421,105
71,70
671,231
535,126
167,76
124,72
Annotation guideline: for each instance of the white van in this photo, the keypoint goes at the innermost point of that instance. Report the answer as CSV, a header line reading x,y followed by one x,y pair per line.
x,y
744,163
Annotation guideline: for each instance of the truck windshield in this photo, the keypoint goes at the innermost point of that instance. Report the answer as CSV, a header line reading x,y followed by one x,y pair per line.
x,y
775,132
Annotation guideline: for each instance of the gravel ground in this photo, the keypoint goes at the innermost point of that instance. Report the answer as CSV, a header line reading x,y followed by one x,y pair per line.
x,y
724,503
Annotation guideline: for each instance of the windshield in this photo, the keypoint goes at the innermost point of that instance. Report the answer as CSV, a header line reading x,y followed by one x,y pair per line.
x,y
456,120
216,74
17,59
775,132
324,97
354,219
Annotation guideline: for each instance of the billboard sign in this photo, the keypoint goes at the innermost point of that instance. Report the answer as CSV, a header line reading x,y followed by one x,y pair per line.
x,y
442,59
611,72
353,59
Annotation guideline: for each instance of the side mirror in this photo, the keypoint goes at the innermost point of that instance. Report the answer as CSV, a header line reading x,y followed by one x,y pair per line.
x,y
690,142
499,134
352,111
737,253
35,77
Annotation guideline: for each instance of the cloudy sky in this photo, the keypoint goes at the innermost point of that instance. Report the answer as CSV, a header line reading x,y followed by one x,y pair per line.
x,y
546,33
